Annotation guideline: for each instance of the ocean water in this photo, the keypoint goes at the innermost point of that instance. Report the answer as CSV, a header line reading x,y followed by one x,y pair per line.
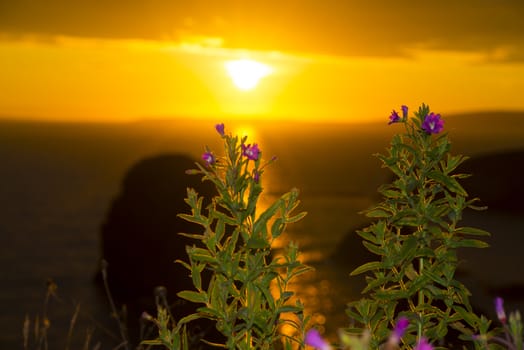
x,y
57,182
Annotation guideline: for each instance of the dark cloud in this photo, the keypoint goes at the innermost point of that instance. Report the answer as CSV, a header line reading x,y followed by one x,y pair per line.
x,y
378,28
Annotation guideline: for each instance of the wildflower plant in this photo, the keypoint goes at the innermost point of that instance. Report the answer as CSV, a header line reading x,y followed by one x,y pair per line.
x,y
362,342
415,237
248,292
509,336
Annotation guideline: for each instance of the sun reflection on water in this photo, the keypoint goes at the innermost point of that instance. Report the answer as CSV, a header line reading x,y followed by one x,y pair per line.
x,y
314,293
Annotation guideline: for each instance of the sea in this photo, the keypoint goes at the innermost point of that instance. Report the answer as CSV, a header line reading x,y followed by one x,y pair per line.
x,y
58,180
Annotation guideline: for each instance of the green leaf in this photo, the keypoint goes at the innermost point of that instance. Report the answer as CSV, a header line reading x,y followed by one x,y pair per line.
x,y
207,312
267,214
447,181
286,295
277,228
268,296
377,213
425,252
196,270
408,250
442,329
453,162
471,231
364,310
408,148
379,229
299,271
192,235
151,342
412,221
368,235
199,254
192,218
393,194
373,265
410,272
373,248
468,243
390,295
188,319
407,217
261,322
467,316
183,263
421,281
434,277
195,297
257,243
296,218
215,292
378,282
226,218
211,241
289,308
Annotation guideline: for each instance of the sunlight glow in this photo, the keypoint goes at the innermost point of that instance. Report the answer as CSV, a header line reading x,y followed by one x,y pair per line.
x,y
58,78
246,131
246,73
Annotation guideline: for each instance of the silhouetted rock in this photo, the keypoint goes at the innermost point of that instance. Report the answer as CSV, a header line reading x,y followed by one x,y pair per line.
x,y
350,252
140,239
496,179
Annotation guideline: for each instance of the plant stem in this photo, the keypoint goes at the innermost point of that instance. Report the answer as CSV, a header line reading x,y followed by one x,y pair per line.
x,y
420,298
121,326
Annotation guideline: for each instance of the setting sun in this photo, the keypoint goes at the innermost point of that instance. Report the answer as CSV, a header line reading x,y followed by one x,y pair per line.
x,y
246,73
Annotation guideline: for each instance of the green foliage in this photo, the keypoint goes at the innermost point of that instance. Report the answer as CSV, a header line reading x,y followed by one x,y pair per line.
x,y
249,289
171,335
509,336
415,236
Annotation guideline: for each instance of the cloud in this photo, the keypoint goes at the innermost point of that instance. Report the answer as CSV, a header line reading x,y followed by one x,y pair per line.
x,y
351,27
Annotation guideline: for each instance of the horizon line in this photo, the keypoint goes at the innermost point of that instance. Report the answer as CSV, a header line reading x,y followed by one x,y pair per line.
x,y
255,118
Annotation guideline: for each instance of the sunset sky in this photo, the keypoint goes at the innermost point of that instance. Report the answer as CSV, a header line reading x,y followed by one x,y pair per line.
x,y
327,60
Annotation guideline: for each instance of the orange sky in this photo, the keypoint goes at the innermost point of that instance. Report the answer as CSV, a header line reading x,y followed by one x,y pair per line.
x,y
72,70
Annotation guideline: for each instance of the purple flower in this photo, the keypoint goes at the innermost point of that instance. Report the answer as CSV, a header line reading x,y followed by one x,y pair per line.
x,y
399,330
220,128
251,152
433,124
394,117
314,339
209,158
404,111
256,176
499,308
423,345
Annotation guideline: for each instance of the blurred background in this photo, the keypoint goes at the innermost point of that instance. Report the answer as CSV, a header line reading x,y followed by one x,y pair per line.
x,y
89,90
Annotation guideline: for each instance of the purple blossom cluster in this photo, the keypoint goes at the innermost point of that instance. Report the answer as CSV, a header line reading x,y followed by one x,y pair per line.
x,y
432,123
220,128
398,331
499,309
315,340
251,152
209,158
395,117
